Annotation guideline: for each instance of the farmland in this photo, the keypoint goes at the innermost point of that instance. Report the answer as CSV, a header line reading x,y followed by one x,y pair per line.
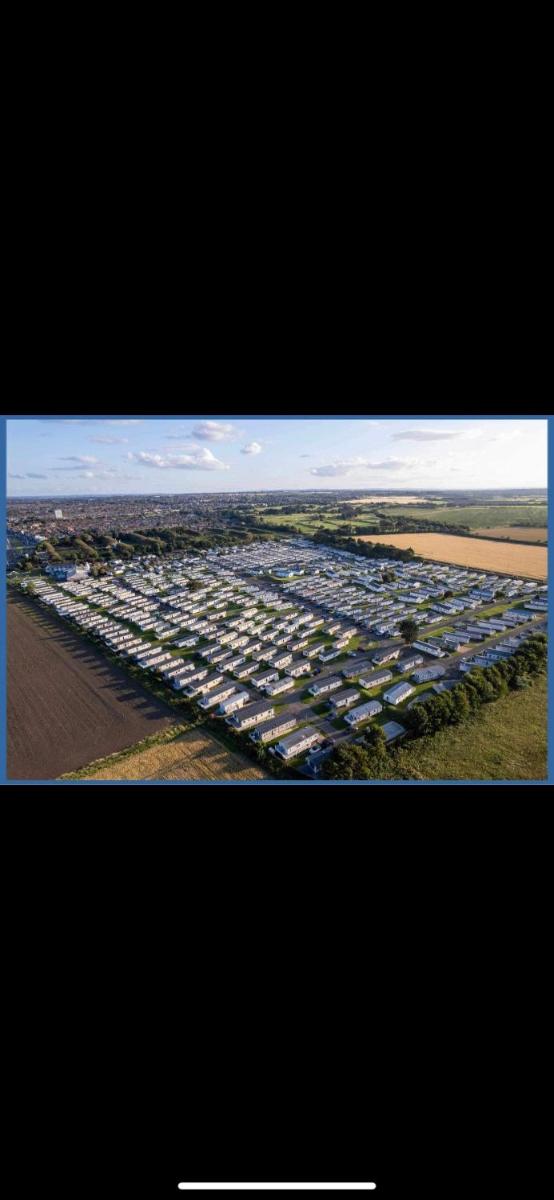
x,y
506,741
477,516
384,500
66,704
526,562
191,756
516,533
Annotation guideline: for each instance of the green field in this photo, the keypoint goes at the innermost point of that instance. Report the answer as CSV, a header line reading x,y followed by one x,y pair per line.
x,y
505,740
487,516
309,522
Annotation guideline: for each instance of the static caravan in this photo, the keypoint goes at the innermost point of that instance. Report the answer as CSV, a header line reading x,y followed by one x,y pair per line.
x,y
363,712
282,660
217,695
313,650
236,701
399,693
251,714
245,671
322,686
387,655
427,649
264,677
190,677
373,679
297,667
298,743
343,699
280,685
268,730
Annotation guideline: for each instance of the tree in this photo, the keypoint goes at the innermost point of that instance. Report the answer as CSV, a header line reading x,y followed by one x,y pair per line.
x,y
409,629
460,704
376,740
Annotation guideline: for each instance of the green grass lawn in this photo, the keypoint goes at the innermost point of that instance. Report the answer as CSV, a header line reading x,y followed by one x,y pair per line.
x,y
476,516
504,740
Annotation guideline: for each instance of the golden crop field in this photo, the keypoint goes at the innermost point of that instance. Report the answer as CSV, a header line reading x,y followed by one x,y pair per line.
x,y
518,533
194,756
529,562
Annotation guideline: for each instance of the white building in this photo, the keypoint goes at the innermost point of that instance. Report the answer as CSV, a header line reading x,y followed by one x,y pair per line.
x,y
298,743
363,712
399,693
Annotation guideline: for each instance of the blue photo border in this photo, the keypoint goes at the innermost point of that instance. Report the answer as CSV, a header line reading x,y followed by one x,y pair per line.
x,y
271,782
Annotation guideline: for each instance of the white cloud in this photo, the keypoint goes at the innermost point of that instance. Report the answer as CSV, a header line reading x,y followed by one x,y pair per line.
x,y
110,441
347,466
425,435
78,458
343,466
215,431
252,448
201,459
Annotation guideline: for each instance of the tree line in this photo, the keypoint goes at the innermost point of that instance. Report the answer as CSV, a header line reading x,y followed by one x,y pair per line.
x,y
372,759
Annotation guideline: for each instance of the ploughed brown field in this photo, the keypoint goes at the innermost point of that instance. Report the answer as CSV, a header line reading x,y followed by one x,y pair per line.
x,y
195,755
518,533
66,704
527,562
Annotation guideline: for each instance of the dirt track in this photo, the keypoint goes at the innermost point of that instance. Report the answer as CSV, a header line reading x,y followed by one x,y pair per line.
x,y
66,705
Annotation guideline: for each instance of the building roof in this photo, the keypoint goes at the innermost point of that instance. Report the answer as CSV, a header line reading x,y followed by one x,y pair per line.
x,y
299,737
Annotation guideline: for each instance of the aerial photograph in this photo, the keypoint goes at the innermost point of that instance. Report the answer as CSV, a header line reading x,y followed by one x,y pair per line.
x,y
311,600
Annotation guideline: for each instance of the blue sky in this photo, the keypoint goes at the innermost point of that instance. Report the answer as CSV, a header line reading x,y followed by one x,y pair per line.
x,y
106,456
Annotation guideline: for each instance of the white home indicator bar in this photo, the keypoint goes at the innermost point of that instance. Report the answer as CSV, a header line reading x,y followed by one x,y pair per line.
x,y
277,1187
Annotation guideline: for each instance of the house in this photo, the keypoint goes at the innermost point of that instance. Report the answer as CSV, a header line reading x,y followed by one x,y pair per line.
x,y
321,686
237,700
203,685
282,659
429,649
353,670
217,695
386,655
264,677
363,712
398,693
298,666
313,650
428,673
453,641
244,671
344,699
408,664
393,730
193,677
280,685
328,655
374,679
269,730
297,743
252,714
